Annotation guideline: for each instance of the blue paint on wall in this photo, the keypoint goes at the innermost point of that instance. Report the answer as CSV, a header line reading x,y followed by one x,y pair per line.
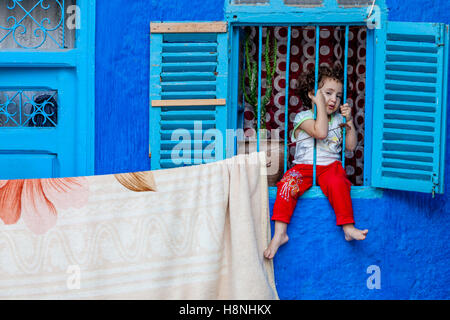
x,y
122,75
121,86
408,236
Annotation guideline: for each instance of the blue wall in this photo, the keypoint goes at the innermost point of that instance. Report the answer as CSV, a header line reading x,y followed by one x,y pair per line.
x,y
408,236
122,75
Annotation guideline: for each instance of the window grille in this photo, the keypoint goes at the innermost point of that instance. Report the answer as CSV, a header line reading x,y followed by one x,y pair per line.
x,y
338,46
24,108
36,24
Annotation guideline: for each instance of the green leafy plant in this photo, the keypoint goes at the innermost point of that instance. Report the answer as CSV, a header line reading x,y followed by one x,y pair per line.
x,y
251,71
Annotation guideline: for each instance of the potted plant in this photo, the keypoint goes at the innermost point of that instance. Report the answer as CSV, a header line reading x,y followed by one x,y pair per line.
x,y
274,147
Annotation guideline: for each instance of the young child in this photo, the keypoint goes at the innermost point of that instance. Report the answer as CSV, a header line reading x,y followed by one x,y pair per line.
x,y
330,174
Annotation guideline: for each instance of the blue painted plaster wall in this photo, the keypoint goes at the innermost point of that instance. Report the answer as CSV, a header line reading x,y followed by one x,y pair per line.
x,y
122,75
408,236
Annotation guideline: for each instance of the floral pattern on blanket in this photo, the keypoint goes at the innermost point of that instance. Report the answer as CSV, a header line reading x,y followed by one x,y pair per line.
x,y
137,181
201,236
37,201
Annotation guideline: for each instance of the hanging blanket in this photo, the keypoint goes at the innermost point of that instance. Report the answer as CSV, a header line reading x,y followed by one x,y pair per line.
x,y
186,233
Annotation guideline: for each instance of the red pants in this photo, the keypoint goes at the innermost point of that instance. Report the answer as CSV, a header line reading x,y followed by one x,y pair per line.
x,y
333,181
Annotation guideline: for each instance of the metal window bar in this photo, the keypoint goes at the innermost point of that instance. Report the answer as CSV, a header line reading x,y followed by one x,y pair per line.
x,y
344,98
286,108
244,69
316,84
259,87
317,56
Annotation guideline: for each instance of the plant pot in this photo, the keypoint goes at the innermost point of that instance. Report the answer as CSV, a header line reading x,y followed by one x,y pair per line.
x,y
275,156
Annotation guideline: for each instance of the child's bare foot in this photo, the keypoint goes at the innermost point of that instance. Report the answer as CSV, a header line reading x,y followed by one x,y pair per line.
x,y
280,237
351,233
277,241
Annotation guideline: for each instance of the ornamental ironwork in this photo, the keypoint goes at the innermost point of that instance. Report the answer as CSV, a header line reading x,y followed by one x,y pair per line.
x,y
28,108
32,24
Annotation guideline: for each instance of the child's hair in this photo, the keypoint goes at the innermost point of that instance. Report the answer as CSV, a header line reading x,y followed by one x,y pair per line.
x,y
307,81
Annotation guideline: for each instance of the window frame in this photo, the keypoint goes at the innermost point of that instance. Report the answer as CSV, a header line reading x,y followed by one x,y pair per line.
x,y
316,16
276,11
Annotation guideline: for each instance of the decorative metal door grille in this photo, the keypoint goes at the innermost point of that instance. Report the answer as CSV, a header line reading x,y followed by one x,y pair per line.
x,y
188,87
28,108
36,24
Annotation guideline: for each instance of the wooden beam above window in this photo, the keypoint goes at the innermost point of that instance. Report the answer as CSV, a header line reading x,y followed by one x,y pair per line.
x,y
184,103
188,27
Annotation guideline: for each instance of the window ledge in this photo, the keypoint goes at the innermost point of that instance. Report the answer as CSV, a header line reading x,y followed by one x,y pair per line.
x,y
316,193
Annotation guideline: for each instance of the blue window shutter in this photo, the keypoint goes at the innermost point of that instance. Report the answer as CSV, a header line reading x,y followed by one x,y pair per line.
x,y
410,105
188,90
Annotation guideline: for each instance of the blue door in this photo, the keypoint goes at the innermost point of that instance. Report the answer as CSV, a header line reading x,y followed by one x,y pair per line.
x,y
46,88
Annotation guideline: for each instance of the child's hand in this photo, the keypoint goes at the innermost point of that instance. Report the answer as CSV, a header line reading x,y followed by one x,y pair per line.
x,y
346,111
319,99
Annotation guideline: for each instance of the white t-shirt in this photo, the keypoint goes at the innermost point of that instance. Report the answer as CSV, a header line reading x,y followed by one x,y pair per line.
x,y
328,149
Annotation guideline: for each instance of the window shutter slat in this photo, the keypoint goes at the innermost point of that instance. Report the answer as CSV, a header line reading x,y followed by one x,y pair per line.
x,y
410,107
189,77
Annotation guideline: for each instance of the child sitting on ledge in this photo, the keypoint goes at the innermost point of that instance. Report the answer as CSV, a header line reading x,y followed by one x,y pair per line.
x,y
331,177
